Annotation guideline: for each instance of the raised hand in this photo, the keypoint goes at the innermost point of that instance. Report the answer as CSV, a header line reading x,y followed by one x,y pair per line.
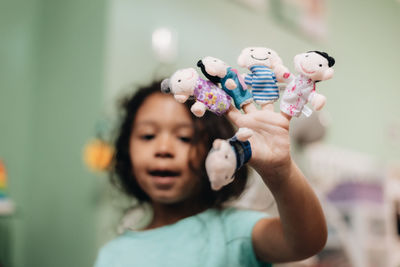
x,y
270,142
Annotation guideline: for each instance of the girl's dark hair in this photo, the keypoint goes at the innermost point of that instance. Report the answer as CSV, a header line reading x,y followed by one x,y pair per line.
x,y
207,129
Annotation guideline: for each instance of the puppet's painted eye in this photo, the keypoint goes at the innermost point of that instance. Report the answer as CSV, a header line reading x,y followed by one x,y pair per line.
x,y
306,55
251,50
320,65
179,80
215,60
269,53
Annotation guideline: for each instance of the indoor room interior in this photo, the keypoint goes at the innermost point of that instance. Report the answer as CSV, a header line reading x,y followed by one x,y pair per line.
x,y
65,64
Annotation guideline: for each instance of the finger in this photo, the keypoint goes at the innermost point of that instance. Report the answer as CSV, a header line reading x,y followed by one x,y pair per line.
x,y
288,117
269,106
234,115
249,108
268,117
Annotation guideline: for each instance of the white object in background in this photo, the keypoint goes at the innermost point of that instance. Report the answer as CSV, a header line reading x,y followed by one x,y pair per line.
x,y
164,43
257,196
392,212
314,26
255,5
312,19
6,207
359,220
328,165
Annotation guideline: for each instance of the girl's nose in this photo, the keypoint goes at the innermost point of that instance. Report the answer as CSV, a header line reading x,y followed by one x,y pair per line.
x,y
165,146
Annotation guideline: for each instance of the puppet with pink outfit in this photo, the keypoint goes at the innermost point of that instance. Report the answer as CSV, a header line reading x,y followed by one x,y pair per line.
x,y
313,67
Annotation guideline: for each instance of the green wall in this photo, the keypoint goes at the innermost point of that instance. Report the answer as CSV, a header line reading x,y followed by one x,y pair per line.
x,y
363,96
50,99
19,39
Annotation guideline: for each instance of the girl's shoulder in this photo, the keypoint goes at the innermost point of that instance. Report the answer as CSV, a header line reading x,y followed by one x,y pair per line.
x,y
239,222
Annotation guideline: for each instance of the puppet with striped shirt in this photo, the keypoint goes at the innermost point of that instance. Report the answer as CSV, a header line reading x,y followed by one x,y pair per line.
x,y
266,70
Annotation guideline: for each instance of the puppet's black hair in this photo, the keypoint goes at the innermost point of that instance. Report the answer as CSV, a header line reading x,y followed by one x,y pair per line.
x,y
331,60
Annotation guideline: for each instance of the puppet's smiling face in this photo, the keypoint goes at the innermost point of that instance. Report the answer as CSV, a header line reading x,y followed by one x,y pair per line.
x,y
183,81
251,56
313,65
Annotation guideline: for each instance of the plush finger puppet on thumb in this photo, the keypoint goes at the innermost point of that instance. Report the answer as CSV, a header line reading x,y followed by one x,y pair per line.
x,y
226,157
313,67
185,83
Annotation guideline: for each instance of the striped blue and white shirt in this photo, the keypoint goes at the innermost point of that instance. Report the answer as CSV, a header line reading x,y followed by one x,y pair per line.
x,y
263,83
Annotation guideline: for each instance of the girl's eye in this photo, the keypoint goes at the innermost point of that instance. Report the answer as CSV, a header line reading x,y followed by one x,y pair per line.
x,y
147,137
185,139
179,81
269,53
320,65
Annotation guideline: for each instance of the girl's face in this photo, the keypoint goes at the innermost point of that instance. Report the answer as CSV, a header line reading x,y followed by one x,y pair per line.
x,y
160,149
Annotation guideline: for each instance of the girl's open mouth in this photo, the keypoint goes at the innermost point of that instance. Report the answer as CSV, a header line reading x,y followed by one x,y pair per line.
x,y
164,173
164,179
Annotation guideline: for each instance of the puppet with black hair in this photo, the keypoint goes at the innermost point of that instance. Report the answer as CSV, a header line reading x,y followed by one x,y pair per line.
x,y
313,67
231,81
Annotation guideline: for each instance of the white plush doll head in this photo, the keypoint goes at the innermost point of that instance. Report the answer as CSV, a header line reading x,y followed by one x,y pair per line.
x,y
315,64
181,84
221,164
226,157
214,66
251,56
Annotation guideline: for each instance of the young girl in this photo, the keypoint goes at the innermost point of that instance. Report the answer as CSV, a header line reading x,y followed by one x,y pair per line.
x,y
160,155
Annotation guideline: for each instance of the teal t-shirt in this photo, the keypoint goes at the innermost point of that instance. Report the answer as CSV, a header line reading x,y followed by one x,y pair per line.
x,y
211,238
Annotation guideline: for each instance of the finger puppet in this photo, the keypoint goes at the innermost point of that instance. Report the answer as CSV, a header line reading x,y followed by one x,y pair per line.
x,y
264,64
313,67
187,82
231,81
226,157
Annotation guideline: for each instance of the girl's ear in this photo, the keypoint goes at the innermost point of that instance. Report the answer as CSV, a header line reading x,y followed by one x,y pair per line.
x,y
328,74
165,86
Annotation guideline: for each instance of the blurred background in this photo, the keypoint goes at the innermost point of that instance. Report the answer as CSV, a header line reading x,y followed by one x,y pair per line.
x,y
63,65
